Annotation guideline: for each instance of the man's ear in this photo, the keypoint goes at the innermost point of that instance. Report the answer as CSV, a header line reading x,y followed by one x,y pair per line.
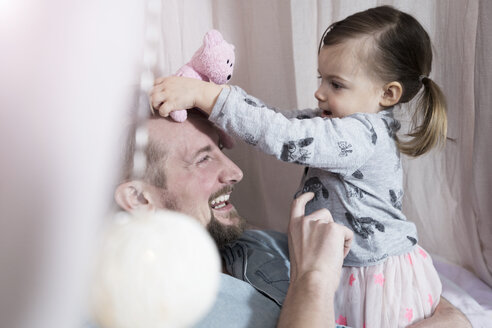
x,y
391,94
133,195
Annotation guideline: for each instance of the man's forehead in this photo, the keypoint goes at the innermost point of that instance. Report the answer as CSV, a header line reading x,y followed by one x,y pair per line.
x,y
193,132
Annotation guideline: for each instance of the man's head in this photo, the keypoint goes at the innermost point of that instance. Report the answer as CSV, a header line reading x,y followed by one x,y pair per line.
x,y
187,172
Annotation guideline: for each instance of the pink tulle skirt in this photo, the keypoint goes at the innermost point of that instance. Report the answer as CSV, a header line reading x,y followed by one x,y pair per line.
x,y
396,293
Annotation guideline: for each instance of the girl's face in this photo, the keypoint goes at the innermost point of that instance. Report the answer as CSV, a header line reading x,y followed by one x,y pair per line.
x,y
346,87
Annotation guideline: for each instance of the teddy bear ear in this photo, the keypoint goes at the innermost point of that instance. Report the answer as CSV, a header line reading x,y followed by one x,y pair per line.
x,y
212,37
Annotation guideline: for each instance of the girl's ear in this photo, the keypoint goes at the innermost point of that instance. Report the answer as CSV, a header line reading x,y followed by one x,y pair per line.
x,y
391,94
132,196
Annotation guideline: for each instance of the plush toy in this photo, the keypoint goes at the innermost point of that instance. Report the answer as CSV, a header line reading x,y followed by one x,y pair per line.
x,y
213,61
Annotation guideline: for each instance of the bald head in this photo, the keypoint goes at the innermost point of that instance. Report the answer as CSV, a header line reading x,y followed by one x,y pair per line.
x,y
164,135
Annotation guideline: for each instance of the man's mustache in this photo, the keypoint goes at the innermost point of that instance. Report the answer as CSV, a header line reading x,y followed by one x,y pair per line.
x,y
225,190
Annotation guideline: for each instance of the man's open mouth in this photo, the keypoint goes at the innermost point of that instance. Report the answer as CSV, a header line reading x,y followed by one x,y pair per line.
x,y
220,201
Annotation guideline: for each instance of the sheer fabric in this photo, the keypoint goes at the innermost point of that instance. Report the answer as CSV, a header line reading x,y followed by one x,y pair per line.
x,y
447,192
66,65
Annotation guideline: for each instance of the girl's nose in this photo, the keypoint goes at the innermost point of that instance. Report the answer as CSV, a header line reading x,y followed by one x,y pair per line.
x,y
319,95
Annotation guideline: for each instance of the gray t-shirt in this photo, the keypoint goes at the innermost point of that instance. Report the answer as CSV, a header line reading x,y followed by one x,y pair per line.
x,y
353,167
252,296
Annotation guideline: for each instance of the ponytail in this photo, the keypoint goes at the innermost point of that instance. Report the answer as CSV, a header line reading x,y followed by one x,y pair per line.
x,y
431,112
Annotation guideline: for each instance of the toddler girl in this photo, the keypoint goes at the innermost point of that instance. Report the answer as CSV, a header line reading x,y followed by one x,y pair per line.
x,y
368,63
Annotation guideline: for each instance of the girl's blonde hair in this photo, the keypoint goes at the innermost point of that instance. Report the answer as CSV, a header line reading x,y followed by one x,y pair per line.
x,y
401,51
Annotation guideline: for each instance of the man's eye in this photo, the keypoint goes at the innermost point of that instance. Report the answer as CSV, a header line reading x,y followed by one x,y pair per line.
x,y
319,76
204,159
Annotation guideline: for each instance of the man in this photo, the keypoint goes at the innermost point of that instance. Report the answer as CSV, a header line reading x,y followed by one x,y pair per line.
x,y
188,172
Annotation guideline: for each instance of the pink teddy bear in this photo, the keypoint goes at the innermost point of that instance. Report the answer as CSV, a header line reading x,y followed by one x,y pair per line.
x,y
213,61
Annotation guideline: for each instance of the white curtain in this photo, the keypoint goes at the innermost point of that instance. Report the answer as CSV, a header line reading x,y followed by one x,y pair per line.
x,y
447,193
65,70
481,177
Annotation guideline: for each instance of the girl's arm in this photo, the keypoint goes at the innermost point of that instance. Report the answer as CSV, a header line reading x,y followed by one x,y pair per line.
x,y
291,113
174,93
338,145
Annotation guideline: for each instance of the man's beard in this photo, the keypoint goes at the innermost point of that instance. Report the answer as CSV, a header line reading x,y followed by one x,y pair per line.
x,y
221,233
224,234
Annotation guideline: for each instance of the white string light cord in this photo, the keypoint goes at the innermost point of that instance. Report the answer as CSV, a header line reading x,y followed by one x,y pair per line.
x,y
147,77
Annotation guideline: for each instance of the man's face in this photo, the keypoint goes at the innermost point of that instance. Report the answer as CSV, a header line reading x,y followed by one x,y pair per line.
x,y
199,176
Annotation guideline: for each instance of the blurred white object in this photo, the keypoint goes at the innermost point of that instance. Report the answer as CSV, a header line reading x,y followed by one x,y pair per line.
x,y
59,146
155,270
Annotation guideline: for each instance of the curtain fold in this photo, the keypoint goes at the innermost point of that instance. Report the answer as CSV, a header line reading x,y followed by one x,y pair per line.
x,y
482,154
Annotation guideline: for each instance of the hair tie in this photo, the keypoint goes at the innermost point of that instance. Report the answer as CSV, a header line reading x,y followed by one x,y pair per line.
x,y
422,77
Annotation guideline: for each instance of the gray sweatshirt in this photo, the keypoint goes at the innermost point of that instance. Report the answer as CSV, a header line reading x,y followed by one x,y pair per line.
x,y
352,165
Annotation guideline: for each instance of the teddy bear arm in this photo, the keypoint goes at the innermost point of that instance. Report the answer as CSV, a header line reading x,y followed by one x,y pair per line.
x,y
188,71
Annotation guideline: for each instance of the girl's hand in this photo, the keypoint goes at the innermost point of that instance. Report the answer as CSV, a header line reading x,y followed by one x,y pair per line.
x,y
317,245
176,92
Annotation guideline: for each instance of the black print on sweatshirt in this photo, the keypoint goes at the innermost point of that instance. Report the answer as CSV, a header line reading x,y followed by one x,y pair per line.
x,y
295,151
374,136
396,198
358,175
314,185
393,127
363,226
252,102
412,240
344,148
355,192
250,139
303,117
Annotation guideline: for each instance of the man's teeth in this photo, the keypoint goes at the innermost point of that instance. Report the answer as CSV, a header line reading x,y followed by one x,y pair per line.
x,y
219,202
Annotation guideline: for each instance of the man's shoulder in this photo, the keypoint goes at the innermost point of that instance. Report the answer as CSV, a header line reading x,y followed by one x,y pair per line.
x,y
262,259
266,239
238,304
266,235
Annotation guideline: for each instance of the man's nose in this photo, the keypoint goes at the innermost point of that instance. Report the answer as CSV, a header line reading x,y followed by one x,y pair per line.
x,y
231,173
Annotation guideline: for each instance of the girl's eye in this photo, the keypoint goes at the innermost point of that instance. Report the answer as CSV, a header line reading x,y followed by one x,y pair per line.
x,y
319,76
336,85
